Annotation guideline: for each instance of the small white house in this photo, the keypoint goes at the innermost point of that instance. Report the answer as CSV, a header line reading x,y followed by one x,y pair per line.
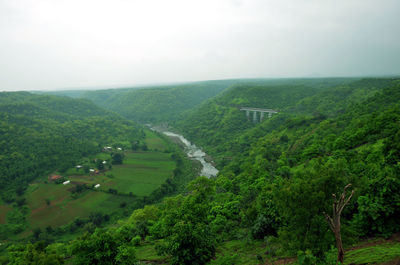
x,y
66,182
78,166
91,170
96,186
104,162
119,149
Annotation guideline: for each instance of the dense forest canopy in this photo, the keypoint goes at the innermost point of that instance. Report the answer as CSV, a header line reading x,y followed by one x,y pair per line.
x,y
283,171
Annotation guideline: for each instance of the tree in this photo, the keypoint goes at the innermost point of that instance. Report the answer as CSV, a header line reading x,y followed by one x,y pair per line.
x,y
103,247
334,221
33,254
99,164
117,158
188,234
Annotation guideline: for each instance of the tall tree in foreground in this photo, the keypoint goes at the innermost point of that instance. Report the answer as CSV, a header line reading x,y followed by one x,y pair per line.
x,y
188,237
334,221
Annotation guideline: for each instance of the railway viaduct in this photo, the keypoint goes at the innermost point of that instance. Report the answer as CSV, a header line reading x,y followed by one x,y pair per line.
x,y
258,110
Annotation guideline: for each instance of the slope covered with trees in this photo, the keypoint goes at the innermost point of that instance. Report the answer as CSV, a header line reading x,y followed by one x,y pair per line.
x,y
276,180
282,172
157,104
219,123
277,177
40,134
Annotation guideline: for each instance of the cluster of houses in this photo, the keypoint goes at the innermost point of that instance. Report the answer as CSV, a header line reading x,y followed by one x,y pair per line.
x,y
55,177
91,170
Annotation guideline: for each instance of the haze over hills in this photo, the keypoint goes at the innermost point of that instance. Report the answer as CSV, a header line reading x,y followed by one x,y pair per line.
x,y
199,132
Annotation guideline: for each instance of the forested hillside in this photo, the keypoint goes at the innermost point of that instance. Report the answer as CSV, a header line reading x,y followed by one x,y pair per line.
x,y
281,172
218,123
275,184
159,103
278,176
40,134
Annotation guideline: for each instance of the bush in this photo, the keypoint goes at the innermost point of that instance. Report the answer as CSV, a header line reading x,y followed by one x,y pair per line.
x,y
136,241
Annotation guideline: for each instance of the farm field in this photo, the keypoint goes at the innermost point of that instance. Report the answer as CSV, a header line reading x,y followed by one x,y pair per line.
x,y
154,142
140,173
53,204
62,207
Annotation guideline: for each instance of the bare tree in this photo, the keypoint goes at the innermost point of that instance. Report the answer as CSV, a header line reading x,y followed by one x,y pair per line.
x,y
334,221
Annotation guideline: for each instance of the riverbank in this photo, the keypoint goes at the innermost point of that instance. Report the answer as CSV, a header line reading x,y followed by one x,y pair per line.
x,y
196,153
192,151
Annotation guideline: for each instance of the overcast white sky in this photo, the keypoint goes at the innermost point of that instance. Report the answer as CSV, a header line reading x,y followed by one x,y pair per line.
x,y
53,44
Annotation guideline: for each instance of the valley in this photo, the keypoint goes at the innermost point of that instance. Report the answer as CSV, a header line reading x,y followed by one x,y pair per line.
x,y
263,202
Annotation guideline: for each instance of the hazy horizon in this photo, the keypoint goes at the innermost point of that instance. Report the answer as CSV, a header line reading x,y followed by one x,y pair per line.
x,y
67,45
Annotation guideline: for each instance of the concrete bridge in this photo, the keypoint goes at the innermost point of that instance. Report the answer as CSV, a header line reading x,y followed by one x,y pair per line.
x,y
257,110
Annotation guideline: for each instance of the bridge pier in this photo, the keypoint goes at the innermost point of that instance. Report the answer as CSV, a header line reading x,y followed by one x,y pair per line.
x,y
261,111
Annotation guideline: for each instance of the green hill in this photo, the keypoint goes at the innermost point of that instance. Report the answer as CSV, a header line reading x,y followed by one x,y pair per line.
x,y
47,133
156,104
275,185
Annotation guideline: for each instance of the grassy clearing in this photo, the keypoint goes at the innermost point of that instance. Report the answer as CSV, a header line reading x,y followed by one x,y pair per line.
x,y
376,254
54,205
154,142
103,156
230,252
241,252
140,173
143,172
63,208
148,253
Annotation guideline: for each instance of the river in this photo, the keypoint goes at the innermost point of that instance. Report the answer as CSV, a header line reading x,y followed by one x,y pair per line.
x,y
196,153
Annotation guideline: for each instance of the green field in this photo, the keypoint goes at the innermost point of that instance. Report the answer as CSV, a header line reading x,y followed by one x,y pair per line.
x,y
140,173
55,204
143,172
154,142
62,207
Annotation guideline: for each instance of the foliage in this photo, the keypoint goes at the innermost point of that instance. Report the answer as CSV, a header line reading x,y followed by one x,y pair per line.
x,y
117,159
156,104
186,229
41,134
102,247
276,177
33,254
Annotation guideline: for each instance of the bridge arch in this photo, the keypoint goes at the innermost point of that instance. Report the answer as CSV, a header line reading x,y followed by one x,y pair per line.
x,y
258,110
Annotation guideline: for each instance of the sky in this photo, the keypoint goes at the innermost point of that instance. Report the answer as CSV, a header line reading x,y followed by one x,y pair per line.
x,y
57,44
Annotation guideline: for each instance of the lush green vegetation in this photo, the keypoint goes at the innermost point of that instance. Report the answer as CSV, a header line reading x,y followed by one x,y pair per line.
x,y
376,254
41,134
276,181
157,104
47,135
